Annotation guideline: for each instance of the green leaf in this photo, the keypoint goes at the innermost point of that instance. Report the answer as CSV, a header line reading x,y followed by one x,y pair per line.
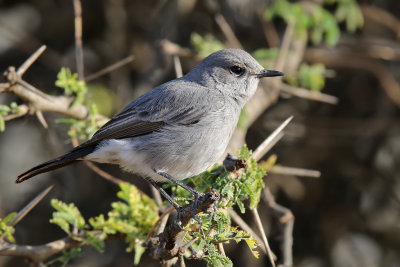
x,y
67,215
139,250
4,110
95,241
2,124
71,85
311,76
9,217
6,229
66,257
205,45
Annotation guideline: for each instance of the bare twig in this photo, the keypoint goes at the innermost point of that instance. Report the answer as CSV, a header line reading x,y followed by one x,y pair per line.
x,y
41,119
21,214
78,39
264,237
283,170
341,58
286,218
381,16
171,48
110,68
159,222
287,39
23,110
177,66
38,254
156,196
307,94
103,174
228,32
39,101
266,145
164,220
25,66
271,36
239,221
220,248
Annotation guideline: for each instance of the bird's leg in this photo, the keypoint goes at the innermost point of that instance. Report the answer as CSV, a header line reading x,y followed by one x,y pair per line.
x,y
195,194
170,200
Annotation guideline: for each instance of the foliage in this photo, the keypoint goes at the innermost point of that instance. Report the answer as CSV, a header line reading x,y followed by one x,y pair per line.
x,y
205,45
308,76
71,85
83,129
265,55
6,110
6,230
133,217
317,19
235,189
349,12
66,257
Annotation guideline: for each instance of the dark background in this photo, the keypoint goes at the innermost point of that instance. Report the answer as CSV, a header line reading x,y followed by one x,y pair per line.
x,y
348,217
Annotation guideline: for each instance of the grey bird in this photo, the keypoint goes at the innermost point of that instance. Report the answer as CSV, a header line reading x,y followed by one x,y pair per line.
x,y
178,129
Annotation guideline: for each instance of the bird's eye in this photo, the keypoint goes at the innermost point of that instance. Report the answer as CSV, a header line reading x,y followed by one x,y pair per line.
x,y
237,70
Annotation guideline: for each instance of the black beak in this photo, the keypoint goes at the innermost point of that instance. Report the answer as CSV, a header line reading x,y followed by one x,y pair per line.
x,y
269,73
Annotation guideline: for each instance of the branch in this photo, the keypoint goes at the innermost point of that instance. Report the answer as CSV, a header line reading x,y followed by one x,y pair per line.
x,y
78,39
38,254
36,100
167,246
286,218
342,58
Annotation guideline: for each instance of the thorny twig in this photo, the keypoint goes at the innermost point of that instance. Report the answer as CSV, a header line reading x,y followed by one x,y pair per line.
x,y
110,68
166,247
78,39
286,218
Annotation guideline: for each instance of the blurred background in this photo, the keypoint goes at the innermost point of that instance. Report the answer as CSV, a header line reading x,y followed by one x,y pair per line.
x,y
350,50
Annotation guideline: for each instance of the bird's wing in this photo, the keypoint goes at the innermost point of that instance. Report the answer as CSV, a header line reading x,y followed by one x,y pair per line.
x,y
152,111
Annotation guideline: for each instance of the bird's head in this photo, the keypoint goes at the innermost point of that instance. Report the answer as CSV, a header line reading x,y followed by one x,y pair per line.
x,y
233,71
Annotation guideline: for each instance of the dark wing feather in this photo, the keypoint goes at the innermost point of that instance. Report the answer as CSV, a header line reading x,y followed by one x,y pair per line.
x,y
157,108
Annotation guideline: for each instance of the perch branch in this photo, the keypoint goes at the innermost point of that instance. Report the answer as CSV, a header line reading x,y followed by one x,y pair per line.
x,y
166,246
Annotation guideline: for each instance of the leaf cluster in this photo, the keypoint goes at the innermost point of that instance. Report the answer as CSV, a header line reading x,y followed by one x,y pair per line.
x,y
6,110
6,230
132,217
205,45
308,76
83,129
236,189
71,85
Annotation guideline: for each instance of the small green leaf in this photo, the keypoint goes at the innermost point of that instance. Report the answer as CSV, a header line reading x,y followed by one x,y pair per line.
x,y
71,85
2,124
95,241
4,110
67,215
205,46
139,250
9,217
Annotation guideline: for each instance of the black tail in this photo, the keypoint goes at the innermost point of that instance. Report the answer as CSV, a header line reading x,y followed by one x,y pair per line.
x,y
59,162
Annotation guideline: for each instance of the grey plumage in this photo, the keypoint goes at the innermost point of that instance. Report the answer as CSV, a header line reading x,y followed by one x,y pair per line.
x,y
181,127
